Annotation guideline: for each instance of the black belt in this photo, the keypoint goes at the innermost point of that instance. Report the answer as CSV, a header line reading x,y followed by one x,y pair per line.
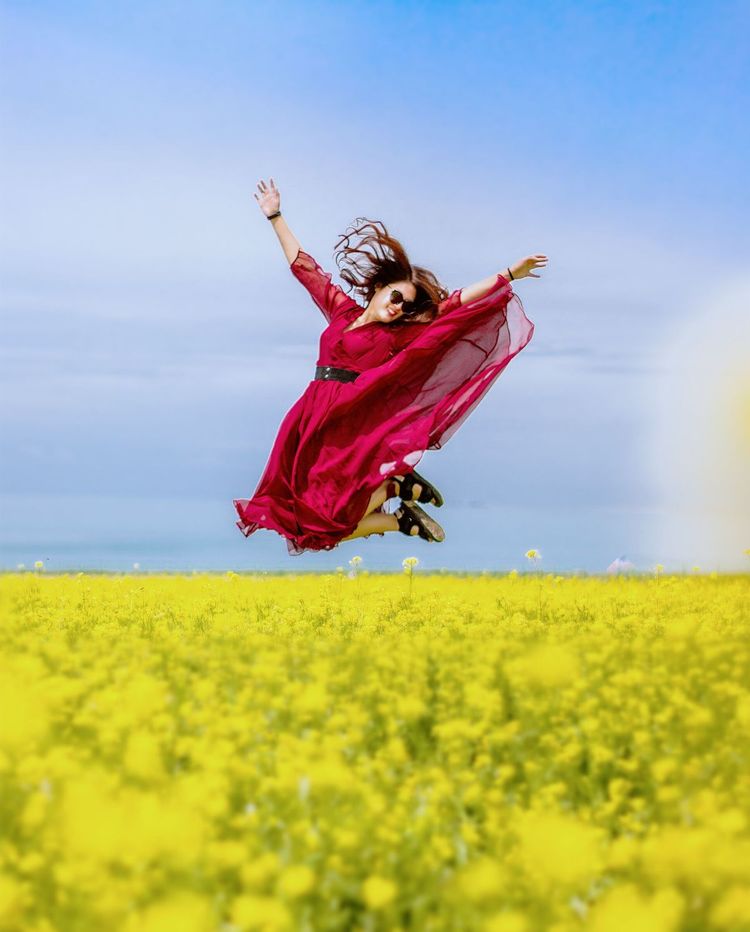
x,y
332,373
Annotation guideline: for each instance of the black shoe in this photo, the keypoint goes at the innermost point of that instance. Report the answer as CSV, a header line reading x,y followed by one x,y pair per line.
x,y
410,516
429,495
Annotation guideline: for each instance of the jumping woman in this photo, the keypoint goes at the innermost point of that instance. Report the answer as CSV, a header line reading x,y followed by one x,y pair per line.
x,y
396,375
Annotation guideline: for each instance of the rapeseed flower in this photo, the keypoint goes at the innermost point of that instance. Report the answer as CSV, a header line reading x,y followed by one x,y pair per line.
x,y
378,892
261,912
296,880
262,752
625,909
558,849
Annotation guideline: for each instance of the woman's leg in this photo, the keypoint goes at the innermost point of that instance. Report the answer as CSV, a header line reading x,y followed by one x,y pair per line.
x,y
377,523
381,494
377,498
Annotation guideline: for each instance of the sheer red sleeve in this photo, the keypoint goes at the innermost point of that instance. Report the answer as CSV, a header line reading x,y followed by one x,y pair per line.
x,y
404,335
330,298
450,303
440,371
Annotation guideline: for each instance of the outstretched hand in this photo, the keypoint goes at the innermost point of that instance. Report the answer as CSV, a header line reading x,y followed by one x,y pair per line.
x,y
270,199
522,268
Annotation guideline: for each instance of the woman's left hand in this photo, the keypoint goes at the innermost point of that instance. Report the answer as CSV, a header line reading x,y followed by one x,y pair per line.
x,y
522,268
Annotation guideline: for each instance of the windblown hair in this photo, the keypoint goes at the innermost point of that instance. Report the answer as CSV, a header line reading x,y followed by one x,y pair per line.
x,y
383,260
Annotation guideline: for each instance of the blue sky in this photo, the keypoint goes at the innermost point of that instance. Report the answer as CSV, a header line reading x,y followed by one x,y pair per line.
x,y
154,336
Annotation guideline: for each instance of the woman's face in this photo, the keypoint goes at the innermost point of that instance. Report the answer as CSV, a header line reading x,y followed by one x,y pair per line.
x,y
386,306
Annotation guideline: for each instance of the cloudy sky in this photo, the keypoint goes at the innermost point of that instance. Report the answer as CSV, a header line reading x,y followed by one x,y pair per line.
x,y
153,337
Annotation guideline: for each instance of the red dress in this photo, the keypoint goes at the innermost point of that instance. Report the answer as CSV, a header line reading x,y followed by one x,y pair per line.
x,y
418,383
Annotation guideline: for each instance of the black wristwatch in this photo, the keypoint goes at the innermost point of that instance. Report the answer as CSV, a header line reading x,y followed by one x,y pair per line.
x,y
271,216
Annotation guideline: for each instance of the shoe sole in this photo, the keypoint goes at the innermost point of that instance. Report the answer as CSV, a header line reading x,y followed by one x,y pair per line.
x,y
428,523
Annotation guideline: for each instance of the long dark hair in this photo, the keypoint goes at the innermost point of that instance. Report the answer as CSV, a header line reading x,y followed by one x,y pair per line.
x,y
382,260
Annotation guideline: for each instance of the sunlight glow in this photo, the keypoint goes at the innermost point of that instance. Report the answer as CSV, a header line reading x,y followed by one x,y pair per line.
x,y
701,442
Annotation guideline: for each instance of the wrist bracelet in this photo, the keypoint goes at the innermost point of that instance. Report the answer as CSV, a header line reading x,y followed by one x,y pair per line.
x,y
511,274
271,216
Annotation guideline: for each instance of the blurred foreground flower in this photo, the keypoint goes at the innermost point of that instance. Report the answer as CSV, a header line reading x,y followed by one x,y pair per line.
x,y
144,779
296,880
39,565
378,892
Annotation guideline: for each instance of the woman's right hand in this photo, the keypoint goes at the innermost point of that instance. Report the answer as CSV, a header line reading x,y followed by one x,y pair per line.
x,y
522,268
270,199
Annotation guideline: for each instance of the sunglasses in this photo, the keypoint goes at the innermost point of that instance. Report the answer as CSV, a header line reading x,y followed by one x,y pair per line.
x,y
408,307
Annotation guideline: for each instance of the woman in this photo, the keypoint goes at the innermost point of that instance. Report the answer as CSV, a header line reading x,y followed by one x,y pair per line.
x,y
395,377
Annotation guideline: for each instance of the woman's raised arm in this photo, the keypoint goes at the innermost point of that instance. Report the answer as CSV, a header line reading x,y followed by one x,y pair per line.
x,y
330,298
270,203
472,292
520,269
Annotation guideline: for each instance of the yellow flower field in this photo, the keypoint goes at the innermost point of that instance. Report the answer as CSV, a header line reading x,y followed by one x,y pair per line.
x,y
317,752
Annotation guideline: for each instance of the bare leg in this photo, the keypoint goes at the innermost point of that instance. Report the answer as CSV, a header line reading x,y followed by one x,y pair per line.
x,y
381,494
377,498
377,523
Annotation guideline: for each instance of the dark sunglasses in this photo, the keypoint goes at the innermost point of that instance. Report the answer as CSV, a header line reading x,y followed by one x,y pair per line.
x,y
408,307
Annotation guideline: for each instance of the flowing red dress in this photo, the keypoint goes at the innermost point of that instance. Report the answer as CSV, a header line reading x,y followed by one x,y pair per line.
x,y
418,382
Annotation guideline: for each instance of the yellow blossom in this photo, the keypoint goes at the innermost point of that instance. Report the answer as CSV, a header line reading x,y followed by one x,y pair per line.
x,y
296,880
13,898
550,665
508,921
179,912
732,911
378,892
625,909
557,848
482,879
260,912
205,748
143,756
